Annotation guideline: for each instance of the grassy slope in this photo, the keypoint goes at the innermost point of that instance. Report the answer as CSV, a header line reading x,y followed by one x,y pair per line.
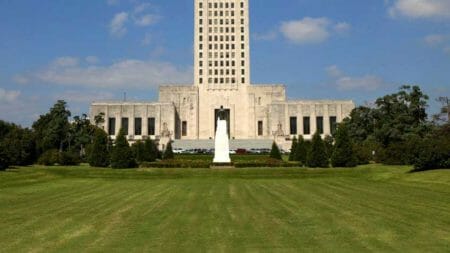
x,y
372,208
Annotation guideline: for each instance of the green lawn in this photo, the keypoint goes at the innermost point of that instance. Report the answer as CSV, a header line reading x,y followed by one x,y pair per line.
x,y
371,208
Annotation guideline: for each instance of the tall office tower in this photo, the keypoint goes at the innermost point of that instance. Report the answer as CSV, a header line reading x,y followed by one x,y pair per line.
x,y
222,48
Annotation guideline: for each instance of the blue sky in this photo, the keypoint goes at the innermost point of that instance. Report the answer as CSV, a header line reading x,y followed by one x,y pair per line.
x,y
82,51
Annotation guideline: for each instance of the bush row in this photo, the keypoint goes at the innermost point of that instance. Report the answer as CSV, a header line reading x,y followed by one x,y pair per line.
x,y
200,164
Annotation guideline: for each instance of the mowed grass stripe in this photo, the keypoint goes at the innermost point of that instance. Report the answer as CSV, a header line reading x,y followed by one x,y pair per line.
x,y
91,210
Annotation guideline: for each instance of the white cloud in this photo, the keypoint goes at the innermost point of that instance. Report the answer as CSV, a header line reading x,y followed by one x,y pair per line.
x,y
311,30
141,7
65,61
435,39
271,35
434,9
342,27
123,74
8,96
306,31
91,59
345,82
146,20
117,25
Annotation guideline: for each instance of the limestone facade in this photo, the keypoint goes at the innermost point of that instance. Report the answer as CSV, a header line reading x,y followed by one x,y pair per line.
x,y
222,78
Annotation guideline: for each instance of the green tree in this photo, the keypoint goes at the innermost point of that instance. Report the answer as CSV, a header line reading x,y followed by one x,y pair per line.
x,y
343,154
121,155
275,152
99,155
168,153
4,160
329,144
292,155
80,135
150,151
317,157
19,146
52,129
139,151
301,154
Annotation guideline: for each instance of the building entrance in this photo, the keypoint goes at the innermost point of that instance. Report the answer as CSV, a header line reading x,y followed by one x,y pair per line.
x,y
225,115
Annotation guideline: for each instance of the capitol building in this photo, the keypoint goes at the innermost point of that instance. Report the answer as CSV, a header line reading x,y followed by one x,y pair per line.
x,y
254,112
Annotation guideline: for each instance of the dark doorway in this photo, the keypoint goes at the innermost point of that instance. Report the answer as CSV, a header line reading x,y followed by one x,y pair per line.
x,y
226,112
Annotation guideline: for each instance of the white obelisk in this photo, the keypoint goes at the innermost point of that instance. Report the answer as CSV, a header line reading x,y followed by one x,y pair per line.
x,y
222,143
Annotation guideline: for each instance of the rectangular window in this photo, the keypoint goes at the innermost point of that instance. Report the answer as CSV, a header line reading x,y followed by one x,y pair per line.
x,y
184,128
319,124
112,126
333,124
260,128
137,126
125,125
293,125
151,126
306,125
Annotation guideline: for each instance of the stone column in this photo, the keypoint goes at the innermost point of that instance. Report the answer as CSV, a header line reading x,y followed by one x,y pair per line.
x,y
313,119
145,122
326,120
106,119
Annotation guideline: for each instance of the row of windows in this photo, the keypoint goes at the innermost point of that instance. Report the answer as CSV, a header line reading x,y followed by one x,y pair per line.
x,y
220,13
221,46
220,21
222,72
293,129
220,5
221,38
222,80
221,29
221,63
137,126
222,55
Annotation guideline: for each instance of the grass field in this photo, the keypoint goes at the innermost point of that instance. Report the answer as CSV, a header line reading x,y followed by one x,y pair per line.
x,y
371,208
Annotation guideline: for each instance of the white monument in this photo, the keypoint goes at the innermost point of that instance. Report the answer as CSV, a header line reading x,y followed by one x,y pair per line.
x,y
222,142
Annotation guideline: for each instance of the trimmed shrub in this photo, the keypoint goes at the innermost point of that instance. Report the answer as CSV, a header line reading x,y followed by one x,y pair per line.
x,y
265,163
317,157
434,154
150,151
121,155
168,153
275,152
292,155
343,154
175,164
68,159
49,158
301,154
138,149
99,155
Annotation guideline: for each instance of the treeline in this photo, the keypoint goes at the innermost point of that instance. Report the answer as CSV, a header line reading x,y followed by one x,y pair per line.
x,y
395,131
54,140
